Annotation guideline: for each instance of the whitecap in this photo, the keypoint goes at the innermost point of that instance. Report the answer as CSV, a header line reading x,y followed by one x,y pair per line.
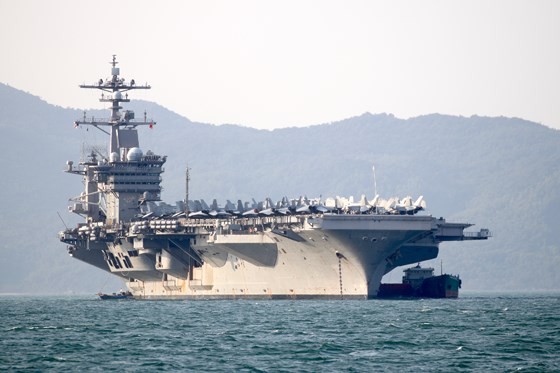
x,y
364,353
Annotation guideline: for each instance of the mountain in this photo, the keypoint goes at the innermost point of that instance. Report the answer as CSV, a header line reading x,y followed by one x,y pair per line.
x,y
500,173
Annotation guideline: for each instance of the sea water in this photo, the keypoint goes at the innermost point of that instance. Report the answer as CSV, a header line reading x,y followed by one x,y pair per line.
x,y
477,332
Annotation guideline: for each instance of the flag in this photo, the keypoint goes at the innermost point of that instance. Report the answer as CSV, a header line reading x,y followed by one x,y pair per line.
x,y
76,124
151,124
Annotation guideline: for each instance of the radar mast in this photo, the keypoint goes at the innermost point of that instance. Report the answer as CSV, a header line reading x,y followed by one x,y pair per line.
x,y
115,86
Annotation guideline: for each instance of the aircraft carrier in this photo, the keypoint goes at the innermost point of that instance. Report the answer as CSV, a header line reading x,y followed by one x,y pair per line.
x,y
300,248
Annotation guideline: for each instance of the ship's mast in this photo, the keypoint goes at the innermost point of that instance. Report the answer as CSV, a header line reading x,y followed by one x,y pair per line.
x,y
187,180
115,86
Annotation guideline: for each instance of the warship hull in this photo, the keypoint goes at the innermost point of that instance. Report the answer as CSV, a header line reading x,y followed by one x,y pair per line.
x,y
327,256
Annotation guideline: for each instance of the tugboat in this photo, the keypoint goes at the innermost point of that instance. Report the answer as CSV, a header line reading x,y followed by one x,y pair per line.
x,y
114,296
421,282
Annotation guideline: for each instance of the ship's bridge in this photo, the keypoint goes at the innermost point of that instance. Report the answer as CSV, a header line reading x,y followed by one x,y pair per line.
x,y
133,177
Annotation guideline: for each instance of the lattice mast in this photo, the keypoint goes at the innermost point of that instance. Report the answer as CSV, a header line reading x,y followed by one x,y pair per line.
x,y
115,86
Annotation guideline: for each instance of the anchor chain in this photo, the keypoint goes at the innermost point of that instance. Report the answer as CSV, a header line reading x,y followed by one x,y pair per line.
x,y
340,256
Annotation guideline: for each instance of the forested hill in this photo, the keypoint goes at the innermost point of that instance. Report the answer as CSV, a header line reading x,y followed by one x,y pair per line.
x,y
499,173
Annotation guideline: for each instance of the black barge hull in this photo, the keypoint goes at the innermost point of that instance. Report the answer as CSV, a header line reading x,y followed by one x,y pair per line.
x,y
444,286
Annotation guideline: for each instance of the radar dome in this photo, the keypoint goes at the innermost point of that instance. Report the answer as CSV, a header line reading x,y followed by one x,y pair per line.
x,y
114,157
118,95
134,155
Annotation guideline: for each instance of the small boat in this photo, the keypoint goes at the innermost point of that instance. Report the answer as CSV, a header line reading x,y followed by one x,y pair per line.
x,y
119,295
421,282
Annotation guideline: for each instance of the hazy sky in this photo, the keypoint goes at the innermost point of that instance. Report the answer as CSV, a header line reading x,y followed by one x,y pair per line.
x,y
271,64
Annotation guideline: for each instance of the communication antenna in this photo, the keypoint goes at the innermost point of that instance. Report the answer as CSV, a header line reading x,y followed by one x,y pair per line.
x,y
62,220
374,181
187,179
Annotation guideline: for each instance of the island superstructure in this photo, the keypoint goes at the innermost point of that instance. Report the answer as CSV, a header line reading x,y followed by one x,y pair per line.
x,y
300,248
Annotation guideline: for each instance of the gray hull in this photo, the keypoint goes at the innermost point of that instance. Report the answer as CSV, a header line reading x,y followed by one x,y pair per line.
x,y
327,256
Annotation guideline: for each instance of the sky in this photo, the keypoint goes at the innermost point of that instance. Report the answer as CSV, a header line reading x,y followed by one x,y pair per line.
x,y
276,64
